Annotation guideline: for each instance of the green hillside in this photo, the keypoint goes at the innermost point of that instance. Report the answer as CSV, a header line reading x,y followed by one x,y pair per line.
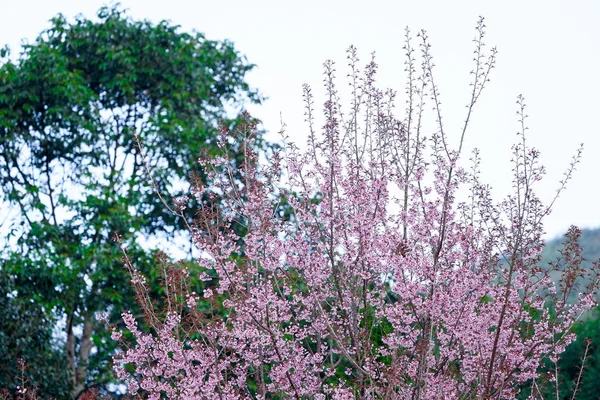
x,y
589,329
589,240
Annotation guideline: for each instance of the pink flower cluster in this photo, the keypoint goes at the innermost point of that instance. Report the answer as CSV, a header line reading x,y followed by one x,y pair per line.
x,y
362,272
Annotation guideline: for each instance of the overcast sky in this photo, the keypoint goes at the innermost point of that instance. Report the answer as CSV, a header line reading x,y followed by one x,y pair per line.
x,y
548,50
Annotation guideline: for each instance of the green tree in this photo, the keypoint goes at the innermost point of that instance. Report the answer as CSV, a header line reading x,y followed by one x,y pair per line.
x,y
26,333
74,108
586,345
572,382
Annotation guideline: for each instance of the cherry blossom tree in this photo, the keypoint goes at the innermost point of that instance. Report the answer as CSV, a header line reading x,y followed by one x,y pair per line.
x,y
362,271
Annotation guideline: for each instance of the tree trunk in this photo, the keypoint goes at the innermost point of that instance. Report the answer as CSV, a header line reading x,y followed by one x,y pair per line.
x,y
83,360
70,347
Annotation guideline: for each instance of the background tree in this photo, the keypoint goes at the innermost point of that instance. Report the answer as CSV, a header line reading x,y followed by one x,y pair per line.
x,y
27,334
73,106
585,351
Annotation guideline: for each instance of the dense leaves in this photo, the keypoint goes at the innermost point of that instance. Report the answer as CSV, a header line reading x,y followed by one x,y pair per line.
x,y
95,116
26,333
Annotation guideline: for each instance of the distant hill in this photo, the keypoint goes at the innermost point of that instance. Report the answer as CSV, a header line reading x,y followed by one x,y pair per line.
x,y
589,241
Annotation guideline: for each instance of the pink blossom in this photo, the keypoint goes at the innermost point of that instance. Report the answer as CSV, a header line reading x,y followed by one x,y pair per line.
x,y
381,282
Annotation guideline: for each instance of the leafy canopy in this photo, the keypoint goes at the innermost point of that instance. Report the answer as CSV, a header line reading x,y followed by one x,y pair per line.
x,y
76,107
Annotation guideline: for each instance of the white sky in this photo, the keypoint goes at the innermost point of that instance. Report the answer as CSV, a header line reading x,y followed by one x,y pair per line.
x,y
548,50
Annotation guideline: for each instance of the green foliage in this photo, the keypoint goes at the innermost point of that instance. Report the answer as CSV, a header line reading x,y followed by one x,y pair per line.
x,y
74,108
571,360
569,366
27,334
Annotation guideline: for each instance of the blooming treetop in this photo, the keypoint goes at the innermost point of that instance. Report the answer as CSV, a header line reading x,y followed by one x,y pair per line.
x,y
358,272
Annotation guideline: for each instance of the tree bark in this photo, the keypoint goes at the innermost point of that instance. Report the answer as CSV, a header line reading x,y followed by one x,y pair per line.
x,y
70,347
83,359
